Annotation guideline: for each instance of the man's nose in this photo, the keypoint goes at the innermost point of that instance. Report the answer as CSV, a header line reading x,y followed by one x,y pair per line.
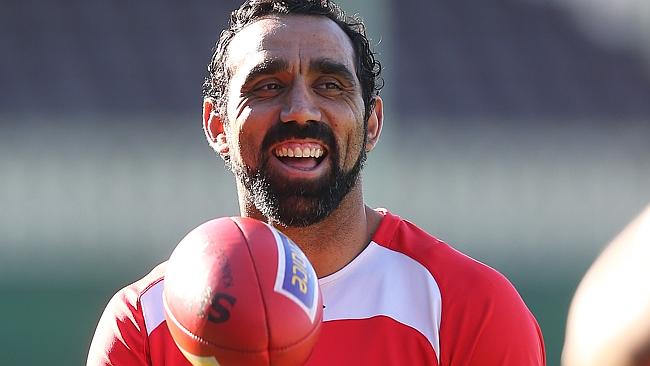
x,y
300,105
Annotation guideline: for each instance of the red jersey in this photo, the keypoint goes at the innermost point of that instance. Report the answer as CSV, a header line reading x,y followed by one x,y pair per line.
x,y
407,299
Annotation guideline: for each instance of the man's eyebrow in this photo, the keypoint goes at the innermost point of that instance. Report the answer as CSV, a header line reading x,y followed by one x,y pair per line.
x,y
331,67
267,67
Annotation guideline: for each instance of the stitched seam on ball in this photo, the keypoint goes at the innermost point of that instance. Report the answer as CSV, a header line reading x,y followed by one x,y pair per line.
x,y
204,341
259,286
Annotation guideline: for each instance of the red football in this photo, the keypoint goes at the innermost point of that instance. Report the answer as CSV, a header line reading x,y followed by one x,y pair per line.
x,y
239,292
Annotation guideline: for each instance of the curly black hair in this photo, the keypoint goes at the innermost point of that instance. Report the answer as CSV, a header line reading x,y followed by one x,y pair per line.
x,y
368,69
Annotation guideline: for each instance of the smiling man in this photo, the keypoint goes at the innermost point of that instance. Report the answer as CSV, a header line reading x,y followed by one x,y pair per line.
x,y
292,105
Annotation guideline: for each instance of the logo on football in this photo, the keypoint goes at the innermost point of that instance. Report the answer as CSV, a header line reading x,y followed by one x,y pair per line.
x,y
239,292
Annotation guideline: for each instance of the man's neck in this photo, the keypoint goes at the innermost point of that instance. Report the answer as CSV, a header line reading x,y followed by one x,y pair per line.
x,y
338,239
335,241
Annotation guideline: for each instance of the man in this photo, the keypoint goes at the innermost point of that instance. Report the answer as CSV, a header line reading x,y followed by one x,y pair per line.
x,y
609,320
292,105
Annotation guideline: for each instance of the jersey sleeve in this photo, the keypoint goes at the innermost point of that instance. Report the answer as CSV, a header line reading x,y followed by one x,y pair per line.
x,y
495,328
120,337
483,320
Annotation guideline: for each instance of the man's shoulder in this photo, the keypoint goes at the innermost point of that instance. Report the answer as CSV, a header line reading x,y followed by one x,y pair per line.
x,y
449,267
156,275
130,316
129,298
482,315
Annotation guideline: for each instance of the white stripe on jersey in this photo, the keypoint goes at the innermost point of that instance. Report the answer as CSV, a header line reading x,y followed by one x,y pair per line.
x,y
152,306
380,281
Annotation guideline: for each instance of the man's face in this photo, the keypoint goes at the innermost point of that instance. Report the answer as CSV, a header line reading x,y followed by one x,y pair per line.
x,y
295,117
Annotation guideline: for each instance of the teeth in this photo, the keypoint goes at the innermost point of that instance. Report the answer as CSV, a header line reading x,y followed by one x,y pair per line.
x,y
298,152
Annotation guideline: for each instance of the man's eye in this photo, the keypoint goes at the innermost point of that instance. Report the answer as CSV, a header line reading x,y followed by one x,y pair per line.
x,y
329,86
270,86
269,89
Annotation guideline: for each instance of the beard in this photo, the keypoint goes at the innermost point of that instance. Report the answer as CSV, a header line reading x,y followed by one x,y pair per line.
x,y
298,203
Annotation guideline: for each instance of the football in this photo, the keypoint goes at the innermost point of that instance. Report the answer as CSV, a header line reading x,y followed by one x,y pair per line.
x,y
239,292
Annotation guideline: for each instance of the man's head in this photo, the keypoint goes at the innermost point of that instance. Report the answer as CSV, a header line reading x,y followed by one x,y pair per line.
x,y
291,103
367,68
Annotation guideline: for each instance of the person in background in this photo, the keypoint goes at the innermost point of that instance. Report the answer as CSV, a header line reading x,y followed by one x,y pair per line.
x,y
609,318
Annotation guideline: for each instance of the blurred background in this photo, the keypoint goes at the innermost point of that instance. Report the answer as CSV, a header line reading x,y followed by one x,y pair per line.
x,y
517,130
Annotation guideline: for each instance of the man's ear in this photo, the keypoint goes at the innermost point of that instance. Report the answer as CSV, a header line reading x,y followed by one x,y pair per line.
x,y
213,127
375,123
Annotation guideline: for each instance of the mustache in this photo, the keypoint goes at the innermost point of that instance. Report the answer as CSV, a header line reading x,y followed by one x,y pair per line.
x,y
289,130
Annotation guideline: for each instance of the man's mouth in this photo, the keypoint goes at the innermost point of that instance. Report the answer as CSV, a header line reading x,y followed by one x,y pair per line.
x,y
305,156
